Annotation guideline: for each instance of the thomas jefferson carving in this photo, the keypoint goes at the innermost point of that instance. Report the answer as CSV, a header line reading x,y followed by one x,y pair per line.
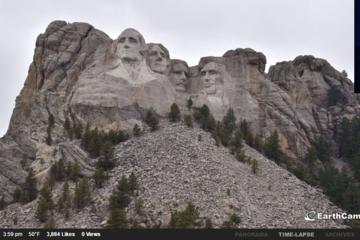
x,y
158,58
179,72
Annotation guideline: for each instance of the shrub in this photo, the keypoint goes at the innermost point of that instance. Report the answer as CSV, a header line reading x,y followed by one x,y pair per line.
x,y
254,166
233,221
136,130
151,120
187,218
174,115
188,120
189,103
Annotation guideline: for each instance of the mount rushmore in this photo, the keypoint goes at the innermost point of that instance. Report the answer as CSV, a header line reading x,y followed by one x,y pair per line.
x,y
80,73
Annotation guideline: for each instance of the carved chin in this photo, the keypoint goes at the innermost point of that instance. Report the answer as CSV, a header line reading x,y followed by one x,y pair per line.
x,y
180,88
210,90
130,56
159,68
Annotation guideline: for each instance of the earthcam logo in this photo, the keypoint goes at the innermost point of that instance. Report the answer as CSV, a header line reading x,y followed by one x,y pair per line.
x,y
312,216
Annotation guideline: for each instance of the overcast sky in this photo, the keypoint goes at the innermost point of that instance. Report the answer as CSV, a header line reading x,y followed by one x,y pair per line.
x,y
281,29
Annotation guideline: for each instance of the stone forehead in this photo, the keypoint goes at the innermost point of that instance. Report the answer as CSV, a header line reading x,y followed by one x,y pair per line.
x,y
177,62
134,33
211,65
158,46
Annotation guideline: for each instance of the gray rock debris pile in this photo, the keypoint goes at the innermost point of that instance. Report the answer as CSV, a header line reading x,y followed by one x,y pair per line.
x,y
174,168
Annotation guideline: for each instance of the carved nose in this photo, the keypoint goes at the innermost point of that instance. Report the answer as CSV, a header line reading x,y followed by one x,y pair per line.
x,y
183,77
159,59
126,46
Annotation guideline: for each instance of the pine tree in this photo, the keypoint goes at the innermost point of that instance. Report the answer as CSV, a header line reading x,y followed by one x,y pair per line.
x,y
133,184
209,123
24,197
82,194
107,152
95,143
51,123
174,115
23,162
48,138
41,210
30,185
258,143
272,147
204,111
58,170
136,130
189,103
185,219
78,130
50,223
310,157
117,219
208,223
99,177
229,121
151,120
2,203
85,140
51,120
64,198
67,128
323,149
247,135
16,195
120,197
45,204
73,171
352,199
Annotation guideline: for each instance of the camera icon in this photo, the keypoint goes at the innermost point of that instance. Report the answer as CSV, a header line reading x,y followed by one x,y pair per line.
x,y
310,216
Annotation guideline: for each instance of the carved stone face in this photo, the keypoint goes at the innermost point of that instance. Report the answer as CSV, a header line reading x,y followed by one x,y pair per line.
x,y
210,74
130,46
158,59
179,76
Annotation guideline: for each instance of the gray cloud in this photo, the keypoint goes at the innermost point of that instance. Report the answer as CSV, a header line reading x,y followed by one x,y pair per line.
x,y
281,29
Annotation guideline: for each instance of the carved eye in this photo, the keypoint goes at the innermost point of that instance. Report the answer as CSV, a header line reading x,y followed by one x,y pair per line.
x,y
152,53
132,40
203,73
162,54
212,72
122,40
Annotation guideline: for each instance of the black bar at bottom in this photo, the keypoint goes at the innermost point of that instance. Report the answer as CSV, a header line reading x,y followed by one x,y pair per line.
x,y
171,234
